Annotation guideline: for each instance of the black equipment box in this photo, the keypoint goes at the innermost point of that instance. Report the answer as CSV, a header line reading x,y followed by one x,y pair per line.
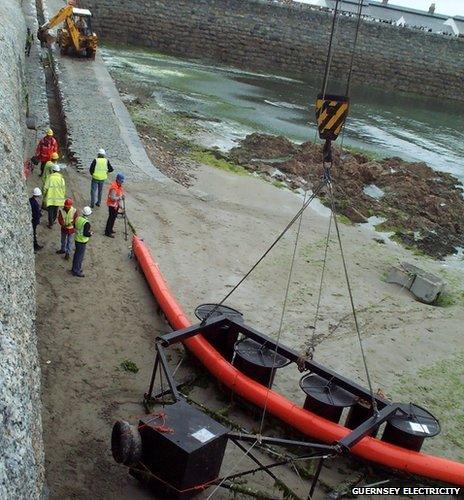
x,y
182,448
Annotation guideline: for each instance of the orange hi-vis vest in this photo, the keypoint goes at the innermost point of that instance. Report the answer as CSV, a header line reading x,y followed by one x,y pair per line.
x,y
118,191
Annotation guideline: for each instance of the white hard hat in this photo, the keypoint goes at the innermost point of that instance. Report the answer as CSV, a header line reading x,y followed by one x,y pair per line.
x,y
56,168
102,152
37,192
86,211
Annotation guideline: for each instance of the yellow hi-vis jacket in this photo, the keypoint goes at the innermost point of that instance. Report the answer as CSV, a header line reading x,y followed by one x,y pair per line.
x,y
101,169
55,190
48,170
79,225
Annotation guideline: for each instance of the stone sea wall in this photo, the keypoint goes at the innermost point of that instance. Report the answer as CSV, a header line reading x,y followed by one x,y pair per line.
x,y
21,458
267,35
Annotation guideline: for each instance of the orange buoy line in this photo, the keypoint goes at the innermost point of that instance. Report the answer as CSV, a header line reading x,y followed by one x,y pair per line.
x,y
312,425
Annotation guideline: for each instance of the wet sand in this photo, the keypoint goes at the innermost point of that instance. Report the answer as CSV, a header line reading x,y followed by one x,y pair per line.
x,y
205,237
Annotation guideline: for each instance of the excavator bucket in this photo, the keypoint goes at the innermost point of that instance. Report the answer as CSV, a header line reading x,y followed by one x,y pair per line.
x,y
331,113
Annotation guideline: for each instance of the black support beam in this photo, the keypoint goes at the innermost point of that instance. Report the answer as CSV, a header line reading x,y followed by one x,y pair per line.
x,y
367,426
294,356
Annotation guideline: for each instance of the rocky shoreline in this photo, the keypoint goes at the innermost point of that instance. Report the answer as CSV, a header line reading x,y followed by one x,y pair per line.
x,y
415,205
421,208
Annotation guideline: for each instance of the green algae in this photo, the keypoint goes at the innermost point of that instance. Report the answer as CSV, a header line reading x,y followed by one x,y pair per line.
x,y
440,388
207,157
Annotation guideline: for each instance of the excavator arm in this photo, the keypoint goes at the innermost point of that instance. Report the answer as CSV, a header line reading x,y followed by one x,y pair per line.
x,y
58,18
73,32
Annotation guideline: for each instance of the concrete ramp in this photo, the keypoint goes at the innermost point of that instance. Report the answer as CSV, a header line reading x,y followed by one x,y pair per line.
x,y
95,115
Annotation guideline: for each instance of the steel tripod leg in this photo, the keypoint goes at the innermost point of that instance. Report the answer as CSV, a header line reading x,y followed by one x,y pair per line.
x,y
316,478
149,394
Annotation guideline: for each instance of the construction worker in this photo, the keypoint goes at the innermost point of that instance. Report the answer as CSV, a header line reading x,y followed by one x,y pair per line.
x,y
115,197
66,218
48,167
54,194
99,169
29,41
36,215
83,235
45,149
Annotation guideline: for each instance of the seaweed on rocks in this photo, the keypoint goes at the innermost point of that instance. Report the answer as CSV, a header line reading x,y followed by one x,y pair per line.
x,y
422,208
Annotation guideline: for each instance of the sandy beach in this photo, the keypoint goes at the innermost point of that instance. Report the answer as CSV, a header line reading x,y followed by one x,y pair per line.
x,y
206,231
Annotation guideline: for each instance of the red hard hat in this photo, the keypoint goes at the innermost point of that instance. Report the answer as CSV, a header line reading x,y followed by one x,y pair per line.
x,y
68,202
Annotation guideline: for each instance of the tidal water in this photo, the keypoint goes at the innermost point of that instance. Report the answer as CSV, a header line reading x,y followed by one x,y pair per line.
x,y
231,103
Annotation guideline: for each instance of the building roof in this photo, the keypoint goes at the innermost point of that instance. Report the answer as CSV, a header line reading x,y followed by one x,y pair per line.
x,y
396,14
81,12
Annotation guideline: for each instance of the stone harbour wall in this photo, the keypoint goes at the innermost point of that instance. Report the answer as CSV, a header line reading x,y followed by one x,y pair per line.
x,y
291,39
21,457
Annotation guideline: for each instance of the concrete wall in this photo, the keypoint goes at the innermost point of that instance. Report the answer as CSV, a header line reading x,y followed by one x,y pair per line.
x,y
260,34
21,457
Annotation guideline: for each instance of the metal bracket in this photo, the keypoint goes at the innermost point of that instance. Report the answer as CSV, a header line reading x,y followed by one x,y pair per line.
x,y
367,426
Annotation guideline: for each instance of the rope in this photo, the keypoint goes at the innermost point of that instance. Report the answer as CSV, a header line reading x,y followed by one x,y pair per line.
x,y
232,470
284,308
160,428
350,293
311,348
203,486
263,256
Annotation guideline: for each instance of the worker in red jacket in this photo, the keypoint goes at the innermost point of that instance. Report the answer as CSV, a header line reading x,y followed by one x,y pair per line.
x,y
46,147
67,216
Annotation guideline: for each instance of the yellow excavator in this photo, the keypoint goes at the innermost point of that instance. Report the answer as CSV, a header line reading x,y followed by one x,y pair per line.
x,y
77,37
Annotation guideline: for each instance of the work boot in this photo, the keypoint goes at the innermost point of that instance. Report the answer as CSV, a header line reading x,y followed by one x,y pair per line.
x,y
60,252
66,257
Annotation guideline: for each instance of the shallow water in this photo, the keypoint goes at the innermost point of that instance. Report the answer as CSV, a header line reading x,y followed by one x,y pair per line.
x,y
240,102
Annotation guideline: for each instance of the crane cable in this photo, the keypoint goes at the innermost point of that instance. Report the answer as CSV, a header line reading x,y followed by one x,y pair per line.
x,y
327,181
273,244
282,316
309,354
327,173
328,61
350,293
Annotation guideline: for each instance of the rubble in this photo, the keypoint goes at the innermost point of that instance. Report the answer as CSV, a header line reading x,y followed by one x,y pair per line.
x,y
424,209
425,286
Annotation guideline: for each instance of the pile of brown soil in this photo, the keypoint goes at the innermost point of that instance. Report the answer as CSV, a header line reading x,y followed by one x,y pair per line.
x,y
423,208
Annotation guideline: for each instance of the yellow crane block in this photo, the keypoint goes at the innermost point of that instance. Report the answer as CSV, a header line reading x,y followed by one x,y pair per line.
x,y
331,113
